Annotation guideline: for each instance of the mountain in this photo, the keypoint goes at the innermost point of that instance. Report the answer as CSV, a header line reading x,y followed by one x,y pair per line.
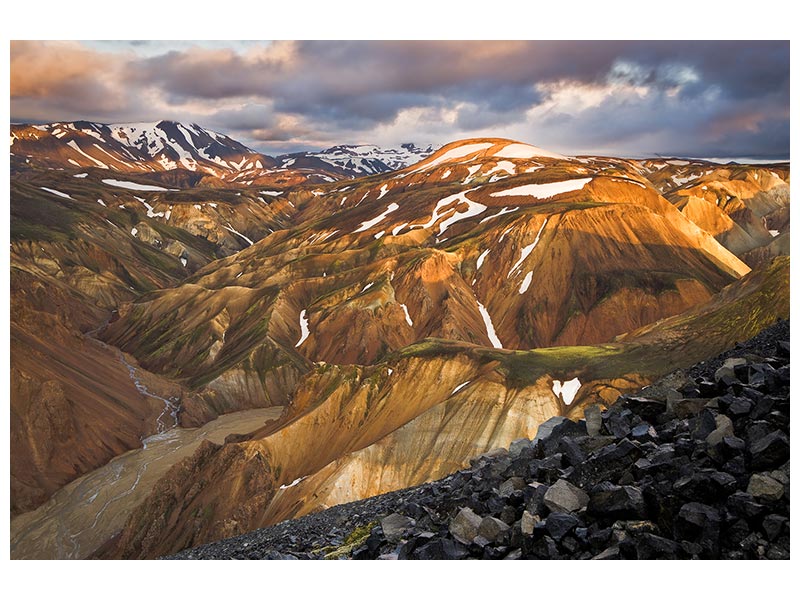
x,y
358,161
189,155
401,322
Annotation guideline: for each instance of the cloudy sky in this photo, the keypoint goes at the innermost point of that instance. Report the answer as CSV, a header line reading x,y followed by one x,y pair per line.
x,y
701,99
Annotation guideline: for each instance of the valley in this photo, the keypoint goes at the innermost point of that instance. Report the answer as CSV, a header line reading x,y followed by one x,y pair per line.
x,y
207,340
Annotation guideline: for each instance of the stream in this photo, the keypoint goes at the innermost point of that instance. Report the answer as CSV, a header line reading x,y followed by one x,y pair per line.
x,y
85,513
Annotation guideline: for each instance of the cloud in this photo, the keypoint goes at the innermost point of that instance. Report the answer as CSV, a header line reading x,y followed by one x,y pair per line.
x,y
631,97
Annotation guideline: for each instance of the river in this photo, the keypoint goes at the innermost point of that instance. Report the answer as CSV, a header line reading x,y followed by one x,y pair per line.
x,y
86,512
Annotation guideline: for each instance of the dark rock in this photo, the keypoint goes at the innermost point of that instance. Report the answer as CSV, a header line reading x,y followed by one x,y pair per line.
x,y
560,524
395,525
441,549
646,408
769,451
617,502
707,485
508,515
773,525
511,485
644,433
611,553
686,407
618,423
743,504
740,407
572,451
649,546
703,424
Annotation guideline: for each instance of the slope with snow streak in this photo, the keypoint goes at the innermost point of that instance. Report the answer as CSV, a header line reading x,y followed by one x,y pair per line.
x,y
367,224
487,320
545,190
304,331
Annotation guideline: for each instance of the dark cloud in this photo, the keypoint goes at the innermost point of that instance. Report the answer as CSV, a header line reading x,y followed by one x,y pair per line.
x,y
684,97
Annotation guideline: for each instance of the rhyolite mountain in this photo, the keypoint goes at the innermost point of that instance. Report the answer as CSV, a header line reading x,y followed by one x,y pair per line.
x,y
407,320
189,155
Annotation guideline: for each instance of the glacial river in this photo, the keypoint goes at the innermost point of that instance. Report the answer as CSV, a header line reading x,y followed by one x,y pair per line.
x,y
86,512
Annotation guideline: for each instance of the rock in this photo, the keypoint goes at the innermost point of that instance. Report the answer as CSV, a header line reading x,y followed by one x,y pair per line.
x,y
707,485
685,407
546,429
594,420
618,423
646,408
724,429
644,433
560,524
464,527
528,522
565,497
649,546
514,554
441,549
617,502
764,487
510,485
517,446
769,451
394,526
611,553
740,407
773,525
491,528
743,504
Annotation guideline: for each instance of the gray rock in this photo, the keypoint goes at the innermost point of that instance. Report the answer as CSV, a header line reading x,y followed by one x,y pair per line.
x,y
724,429
546,428
517,446
685,407
464,527
765,487
491,528
565,497
594,420
395,525
611,553
528,522
510,485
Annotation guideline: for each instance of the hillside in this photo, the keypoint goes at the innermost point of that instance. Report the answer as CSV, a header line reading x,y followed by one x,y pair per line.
x,y
399,323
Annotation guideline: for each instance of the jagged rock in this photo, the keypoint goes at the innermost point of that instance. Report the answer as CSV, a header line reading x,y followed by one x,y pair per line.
x,y
764,487
395,525
565,497
685,407
528,522
511,485
594,420
617,502
441,549
773,525
464,527
770,450
724,429
608,554
560,524
707,485
516,447
743,504
491,528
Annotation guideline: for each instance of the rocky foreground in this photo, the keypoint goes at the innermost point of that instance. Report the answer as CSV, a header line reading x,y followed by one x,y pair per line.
x,y
695,466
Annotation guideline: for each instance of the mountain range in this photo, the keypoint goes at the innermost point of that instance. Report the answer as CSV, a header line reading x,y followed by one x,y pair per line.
x,y
402,311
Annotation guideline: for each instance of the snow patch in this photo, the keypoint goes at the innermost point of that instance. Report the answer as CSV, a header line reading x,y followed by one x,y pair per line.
x,y
545,190
481,258
487,320
384,190
526,151
774,232
304,332
504,211
270,193
567,390
458,152
56,192
134,231
367,224
139,187
446,174
72,144
459,387
526,251
100,202
81,175
526,283
294,483
408,317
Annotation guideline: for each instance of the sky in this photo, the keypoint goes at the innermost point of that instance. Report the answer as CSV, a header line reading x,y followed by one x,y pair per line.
x,y
637,98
